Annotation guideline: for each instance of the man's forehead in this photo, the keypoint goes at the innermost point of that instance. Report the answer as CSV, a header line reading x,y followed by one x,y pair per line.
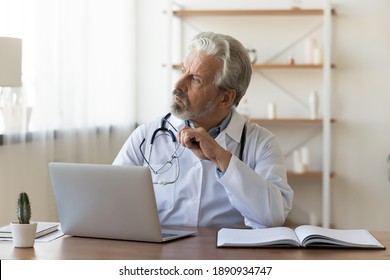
x,y
200,61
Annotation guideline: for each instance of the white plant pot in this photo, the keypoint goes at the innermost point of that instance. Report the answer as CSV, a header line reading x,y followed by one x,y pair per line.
x,y
23,235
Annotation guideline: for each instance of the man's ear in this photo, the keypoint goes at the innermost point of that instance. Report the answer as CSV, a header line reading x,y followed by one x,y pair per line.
x,y
228,97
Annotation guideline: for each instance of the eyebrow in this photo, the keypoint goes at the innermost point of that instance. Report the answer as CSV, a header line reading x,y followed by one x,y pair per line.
x,y
183,68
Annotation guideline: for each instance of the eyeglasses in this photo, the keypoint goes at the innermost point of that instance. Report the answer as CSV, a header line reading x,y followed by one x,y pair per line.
x,y
172,160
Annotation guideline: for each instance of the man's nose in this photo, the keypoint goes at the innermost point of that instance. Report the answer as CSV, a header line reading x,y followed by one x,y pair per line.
x,y
181,83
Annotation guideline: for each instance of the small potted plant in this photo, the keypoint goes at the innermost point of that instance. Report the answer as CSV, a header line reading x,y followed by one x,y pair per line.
x,y
23,232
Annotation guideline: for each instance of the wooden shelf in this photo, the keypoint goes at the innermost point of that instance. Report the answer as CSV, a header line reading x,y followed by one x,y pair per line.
x,y
306,175
288,66
270,12
288,121
273,66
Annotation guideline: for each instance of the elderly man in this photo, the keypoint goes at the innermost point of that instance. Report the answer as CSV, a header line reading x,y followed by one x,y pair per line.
x,y
210,166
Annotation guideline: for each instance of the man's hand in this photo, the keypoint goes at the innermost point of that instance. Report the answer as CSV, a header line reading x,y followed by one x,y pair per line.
x,y
204,146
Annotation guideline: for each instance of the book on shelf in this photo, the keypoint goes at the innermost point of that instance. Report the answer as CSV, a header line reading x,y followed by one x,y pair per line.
x,y
302,236
43,228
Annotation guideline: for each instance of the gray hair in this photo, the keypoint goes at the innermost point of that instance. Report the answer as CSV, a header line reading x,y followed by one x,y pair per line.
x,y
236,69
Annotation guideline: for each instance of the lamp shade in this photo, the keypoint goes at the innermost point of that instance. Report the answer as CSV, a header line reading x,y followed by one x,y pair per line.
x,y
10,62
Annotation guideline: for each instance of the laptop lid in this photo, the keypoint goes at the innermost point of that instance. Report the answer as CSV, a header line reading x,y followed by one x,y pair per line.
x,y
107,201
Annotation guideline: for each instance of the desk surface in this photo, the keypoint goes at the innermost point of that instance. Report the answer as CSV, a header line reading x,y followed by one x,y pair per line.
x,y
200,247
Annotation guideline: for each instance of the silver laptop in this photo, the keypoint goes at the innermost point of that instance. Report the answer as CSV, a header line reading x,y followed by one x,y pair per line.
x,y
108,201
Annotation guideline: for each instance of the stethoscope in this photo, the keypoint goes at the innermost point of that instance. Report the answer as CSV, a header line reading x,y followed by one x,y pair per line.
x,y
175,156
163,128
162,131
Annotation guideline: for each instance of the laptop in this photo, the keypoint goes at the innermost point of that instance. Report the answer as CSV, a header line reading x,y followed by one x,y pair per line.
x,y
108,201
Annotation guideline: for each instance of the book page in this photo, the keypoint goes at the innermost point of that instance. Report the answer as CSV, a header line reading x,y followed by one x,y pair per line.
x,y
278,236
350,237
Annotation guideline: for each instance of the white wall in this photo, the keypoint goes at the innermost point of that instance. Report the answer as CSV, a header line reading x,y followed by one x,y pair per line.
x,y
361,106
360,101
152,89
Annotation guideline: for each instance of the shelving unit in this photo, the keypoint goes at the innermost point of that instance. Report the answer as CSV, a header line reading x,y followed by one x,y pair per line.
x,y
251,12
309,174
289,121
326,66
276,66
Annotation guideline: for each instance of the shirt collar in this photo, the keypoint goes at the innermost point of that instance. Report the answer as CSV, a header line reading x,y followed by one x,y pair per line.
x,y
214,132
235,126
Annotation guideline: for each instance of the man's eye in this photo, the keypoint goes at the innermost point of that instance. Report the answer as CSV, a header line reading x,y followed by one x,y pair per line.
x,y
195,79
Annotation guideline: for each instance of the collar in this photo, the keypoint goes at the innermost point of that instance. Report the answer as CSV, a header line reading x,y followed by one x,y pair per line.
x,y
214,132
235,126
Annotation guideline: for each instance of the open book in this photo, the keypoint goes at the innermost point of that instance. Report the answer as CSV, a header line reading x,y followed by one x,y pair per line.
x,y
302,236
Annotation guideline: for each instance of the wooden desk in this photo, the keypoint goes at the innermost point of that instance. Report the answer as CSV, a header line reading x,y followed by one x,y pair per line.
x,y
200,247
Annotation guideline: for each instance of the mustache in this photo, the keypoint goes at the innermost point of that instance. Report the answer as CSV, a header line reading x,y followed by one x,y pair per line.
x,y
179,93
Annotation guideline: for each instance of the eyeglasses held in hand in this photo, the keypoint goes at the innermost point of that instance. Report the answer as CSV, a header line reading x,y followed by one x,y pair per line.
x,y
172,160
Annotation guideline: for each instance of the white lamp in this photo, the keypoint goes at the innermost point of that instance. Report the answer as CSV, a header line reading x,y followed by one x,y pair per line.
x,y
14,112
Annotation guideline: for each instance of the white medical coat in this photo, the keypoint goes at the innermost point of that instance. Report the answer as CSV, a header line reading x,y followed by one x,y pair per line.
x,y
253,192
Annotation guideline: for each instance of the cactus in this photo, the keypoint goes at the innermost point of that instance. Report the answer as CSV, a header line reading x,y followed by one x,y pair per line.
x,y
23,209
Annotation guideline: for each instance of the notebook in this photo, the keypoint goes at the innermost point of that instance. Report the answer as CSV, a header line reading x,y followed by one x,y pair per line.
x,y
43,228
108,201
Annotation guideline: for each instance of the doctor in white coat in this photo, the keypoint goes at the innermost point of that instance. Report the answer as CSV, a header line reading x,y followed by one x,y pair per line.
x,y
210,166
